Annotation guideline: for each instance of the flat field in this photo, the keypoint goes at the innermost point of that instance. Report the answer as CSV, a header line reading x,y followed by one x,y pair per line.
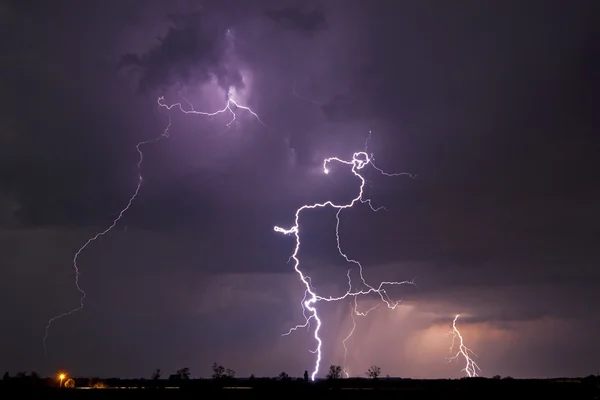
x,y
473,388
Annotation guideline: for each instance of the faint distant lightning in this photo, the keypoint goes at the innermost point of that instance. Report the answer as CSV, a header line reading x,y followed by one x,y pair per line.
x,y
295,92
358,162
471,367
138,147
353,311
230,106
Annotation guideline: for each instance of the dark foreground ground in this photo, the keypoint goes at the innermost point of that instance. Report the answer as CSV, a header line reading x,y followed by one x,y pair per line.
x,y
471,388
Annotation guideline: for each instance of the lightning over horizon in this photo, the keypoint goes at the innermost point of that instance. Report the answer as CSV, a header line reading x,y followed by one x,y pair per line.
x,y
471,368
231,106
403,192
359,161
353,313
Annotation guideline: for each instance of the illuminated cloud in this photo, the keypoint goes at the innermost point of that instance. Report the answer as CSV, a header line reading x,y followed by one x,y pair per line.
x,y
193,51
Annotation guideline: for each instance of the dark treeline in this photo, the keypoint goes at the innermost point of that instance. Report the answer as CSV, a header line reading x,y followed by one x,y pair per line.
x,y
225,380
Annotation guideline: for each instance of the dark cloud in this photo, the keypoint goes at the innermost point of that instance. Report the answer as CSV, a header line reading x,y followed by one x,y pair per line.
x,y
194,51
9,208
301,19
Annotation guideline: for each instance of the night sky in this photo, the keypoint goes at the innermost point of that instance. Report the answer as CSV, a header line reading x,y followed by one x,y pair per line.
x,y
493,104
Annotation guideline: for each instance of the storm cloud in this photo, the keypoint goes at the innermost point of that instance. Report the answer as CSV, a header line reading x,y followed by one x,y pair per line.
x,y
491,105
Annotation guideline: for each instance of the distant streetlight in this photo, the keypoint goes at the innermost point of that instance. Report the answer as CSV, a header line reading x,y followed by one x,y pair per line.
x,y
61,377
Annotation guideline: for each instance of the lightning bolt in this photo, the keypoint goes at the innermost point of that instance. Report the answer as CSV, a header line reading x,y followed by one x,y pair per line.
x,y
353,313
309,303
231,106
295,93
471,368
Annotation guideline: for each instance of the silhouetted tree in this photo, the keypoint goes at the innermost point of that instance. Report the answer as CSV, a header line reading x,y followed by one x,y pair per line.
x,y
229,373
374,372
6,376
156,374
218,371
284,377
252,377
184,374
335,372
306,376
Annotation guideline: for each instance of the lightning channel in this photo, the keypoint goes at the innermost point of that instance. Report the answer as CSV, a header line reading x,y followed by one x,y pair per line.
x,y
231,106
309,303
98,235
314,102
353,313
471,368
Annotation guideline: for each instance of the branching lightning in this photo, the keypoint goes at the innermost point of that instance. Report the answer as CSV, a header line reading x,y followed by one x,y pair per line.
x,y
309,303
353,313
471,368
231,106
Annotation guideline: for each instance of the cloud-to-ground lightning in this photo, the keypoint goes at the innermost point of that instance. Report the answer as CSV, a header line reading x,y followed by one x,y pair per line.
x,y
98,235
353,313
231,106
309,303
471,368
